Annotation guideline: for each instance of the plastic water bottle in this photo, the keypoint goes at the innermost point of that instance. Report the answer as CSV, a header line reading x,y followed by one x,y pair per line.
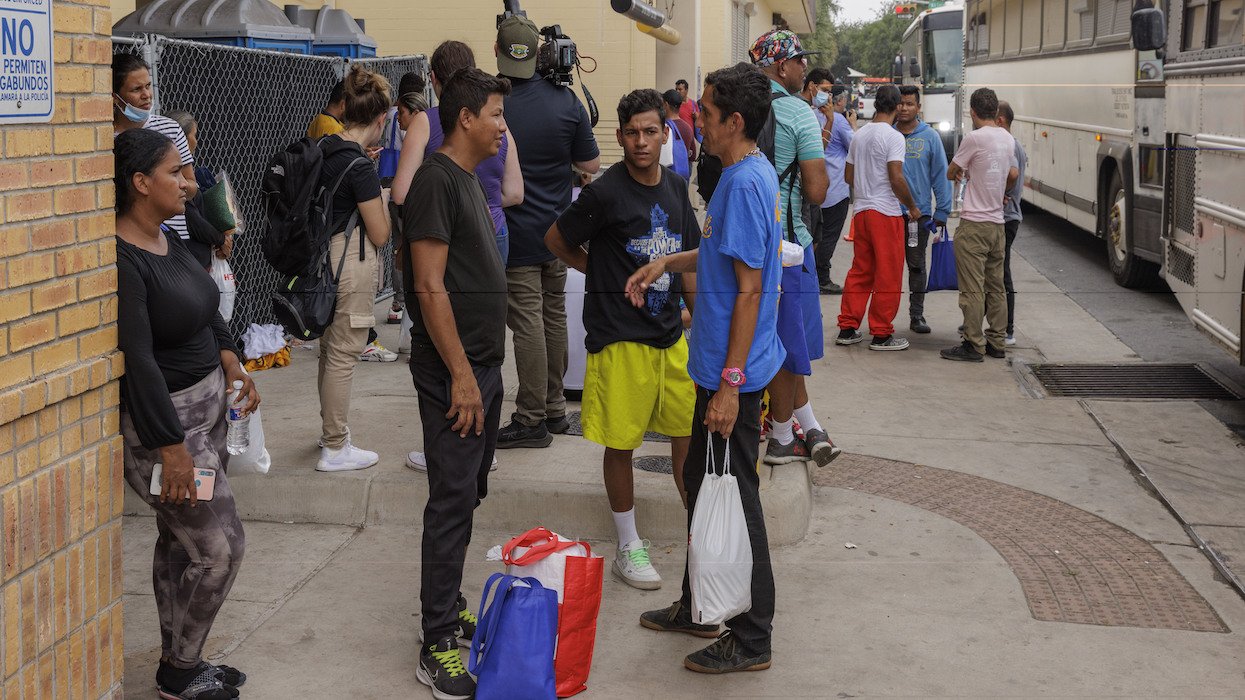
x,y
238,438
912,230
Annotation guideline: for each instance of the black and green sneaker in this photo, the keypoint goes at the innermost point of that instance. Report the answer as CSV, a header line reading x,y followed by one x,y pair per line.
x,y
726,655
441,668
676,618
466,623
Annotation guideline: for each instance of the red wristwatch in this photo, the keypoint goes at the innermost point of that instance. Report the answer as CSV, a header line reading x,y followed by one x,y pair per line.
x,y
734,376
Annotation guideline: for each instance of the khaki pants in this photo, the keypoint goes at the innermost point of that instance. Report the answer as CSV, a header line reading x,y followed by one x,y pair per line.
x,y
537,315
345,338
979,250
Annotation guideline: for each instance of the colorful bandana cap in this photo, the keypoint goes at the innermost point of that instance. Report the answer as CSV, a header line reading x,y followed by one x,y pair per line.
x,y
777,45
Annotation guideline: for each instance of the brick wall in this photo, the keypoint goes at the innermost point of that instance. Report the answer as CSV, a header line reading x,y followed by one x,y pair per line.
x,y
60,452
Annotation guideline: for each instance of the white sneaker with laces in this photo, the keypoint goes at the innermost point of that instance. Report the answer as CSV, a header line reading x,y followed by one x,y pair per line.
x,y
348,458
633,566
419,462
375,352
1009,340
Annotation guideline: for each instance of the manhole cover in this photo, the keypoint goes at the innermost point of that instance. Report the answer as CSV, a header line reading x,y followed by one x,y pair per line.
x,y
577,428
1133,381
654,463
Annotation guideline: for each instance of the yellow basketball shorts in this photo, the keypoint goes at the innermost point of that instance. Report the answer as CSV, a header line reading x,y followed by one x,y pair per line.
x,y
631,388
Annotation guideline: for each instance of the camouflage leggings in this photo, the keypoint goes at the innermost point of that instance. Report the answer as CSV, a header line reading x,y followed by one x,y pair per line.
x,y
198,550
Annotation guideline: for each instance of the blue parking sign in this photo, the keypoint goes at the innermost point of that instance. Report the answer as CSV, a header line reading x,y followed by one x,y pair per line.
x,y
26,65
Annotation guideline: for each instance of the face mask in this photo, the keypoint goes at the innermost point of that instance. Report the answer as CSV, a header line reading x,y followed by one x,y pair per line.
x,y
134,114
820,99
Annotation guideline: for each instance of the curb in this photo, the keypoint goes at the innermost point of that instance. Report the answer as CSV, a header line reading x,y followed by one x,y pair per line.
x,y
371,497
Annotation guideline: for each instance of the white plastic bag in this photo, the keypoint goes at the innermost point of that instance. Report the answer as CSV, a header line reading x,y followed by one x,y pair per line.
x,y
719,553
223,275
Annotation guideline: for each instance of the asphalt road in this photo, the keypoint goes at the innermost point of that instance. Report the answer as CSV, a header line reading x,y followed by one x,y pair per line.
x,y
1150,321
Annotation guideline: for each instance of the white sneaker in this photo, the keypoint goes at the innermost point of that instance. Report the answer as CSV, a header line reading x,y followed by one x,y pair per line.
x,y
1009,340
417,461
348,458
633,566
375,352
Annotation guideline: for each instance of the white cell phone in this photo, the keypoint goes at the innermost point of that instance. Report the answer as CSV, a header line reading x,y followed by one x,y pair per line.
x,y
205,482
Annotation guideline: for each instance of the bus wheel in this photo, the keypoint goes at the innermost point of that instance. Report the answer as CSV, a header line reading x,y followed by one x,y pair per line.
x,y
1128,270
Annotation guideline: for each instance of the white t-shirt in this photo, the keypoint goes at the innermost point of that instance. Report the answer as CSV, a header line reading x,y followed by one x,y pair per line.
x,y
875,145
986,155
169,128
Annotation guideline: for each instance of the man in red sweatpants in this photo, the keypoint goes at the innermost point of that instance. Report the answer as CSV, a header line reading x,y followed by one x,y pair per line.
x,y
875,171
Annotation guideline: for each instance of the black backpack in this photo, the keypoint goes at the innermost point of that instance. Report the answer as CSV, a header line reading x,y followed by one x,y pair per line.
x,y
300,217
299,206
709,167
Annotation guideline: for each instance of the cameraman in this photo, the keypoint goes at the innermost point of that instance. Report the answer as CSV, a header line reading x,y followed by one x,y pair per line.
x,y
555,133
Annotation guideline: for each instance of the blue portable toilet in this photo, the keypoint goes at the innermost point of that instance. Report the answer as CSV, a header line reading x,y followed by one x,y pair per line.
x,y
333,32
252,24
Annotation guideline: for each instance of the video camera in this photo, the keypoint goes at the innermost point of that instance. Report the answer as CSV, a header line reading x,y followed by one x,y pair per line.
x,y
557,57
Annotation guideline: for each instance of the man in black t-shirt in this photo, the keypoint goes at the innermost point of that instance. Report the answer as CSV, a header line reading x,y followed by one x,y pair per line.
x,y
636,379
552,132
457,301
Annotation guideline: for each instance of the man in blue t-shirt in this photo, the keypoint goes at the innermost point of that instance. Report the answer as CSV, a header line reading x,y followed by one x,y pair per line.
x,y
735,351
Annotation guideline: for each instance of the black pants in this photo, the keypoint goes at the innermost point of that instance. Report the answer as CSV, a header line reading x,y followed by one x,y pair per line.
x,y
1010,228
457,481
832,220
918,267
754,628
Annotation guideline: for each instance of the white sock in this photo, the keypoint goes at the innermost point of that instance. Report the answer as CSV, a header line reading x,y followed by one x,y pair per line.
x,y
781,431
624,523
808,420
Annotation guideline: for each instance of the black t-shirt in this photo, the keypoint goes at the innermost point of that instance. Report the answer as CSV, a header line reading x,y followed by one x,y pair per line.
x,y
551,129
170,329
361,184
448,204
628,225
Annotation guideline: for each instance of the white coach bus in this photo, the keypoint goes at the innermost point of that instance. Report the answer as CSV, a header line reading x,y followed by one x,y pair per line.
x,y
1134,122
932,58
1202,177
1071,74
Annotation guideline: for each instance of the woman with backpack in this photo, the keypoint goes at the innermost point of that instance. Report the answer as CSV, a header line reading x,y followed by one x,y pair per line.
x,y
179,360
356,202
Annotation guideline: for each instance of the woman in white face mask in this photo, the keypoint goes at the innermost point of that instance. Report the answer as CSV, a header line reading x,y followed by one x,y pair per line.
x,y
132,99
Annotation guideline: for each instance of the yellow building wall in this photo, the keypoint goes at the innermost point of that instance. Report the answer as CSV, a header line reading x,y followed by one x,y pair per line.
x,y
60,450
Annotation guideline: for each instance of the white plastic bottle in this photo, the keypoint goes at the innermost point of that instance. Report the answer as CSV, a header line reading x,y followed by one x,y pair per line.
x,y
912,231
238,439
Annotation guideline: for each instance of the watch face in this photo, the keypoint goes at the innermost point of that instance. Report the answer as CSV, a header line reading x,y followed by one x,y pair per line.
x,y
734,376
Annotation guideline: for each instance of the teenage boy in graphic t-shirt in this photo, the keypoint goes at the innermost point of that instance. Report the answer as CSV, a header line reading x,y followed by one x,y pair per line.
x,y
987,158
735,351
636,378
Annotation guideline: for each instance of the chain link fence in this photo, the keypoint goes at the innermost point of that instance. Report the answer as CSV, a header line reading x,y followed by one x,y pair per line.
x,y
249,105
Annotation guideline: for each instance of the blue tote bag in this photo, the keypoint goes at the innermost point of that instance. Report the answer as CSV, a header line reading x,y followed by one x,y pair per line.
x,y
942,263
513,647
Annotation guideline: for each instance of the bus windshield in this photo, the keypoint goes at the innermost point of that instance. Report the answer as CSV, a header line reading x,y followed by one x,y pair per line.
x,y
944,59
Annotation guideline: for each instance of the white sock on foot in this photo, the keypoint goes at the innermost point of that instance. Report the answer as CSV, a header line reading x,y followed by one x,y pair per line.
x,y
808,420
781,431
624,524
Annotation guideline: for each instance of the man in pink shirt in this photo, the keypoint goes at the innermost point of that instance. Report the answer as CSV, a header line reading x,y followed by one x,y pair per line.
x,y
986,164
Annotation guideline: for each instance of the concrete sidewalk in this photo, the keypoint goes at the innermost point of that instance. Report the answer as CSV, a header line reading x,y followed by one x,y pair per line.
x,y
1023,513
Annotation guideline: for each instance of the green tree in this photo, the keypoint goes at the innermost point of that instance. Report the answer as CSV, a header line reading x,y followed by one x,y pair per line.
x,y
870,46
824,38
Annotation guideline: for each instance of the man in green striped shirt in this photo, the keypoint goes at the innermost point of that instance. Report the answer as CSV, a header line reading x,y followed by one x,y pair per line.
x,y
799,160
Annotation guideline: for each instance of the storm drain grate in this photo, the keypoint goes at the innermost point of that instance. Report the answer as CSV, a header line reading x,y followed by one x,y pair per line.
x,y
577,428
653,463
1132,381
